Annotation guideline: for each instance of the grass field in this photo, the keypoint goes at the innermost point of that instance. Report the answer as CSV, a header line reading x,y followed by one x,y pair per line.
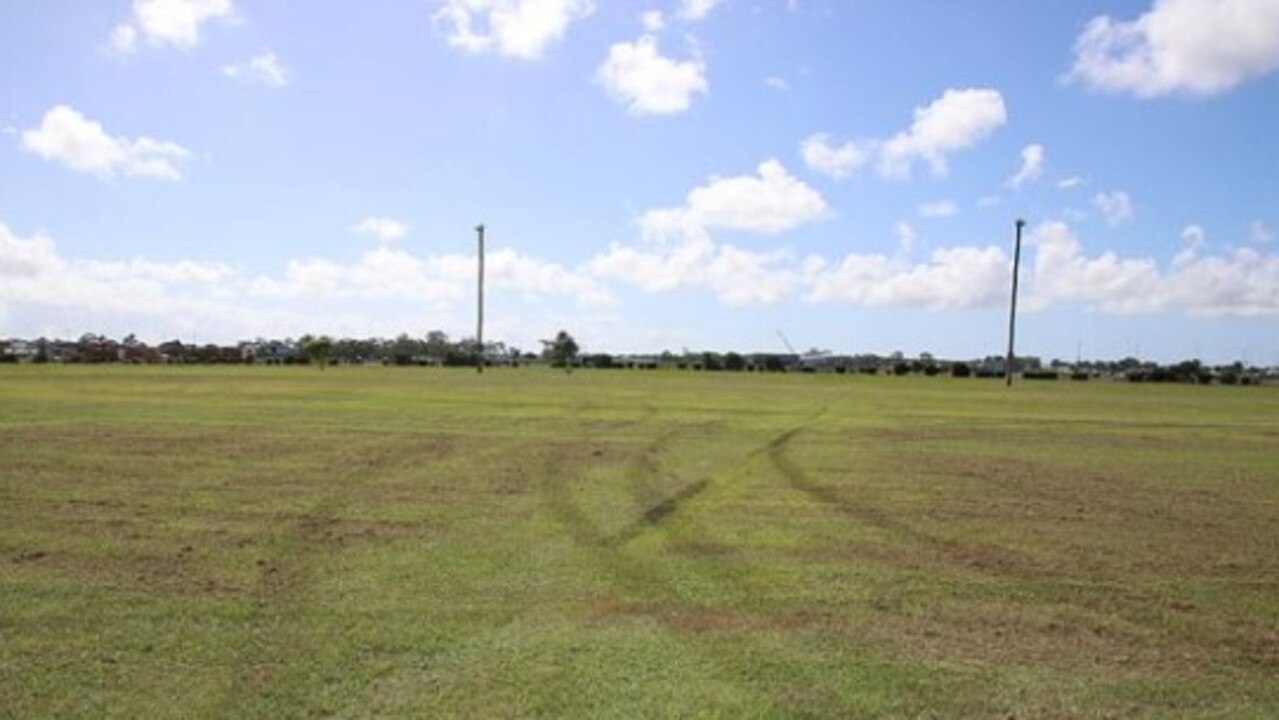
x,y
278,542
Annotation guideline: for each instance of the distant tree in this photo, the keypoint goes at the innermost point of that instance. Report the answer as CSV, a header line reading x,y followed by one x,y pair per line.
x,y
463,353
403,348
316,349
1187,371
734,361
437,347
173,350
561,351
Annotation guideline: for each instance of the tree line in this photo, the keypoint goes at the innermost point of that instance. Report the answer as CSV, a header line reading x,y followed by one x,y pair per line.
x,y
437,349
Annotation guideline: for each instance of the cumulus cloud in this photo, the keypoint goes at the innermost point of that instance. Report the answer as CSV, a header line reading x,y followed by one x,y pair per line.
x,y
736,276
384,229
1032,166
831,159
777,83
676,250
1242,282
958,277
23,257
636,75
940,208
66,136
222,300
955,121
1192,47
265,69
694,10
389,273
1115,207
771,201
168,22
1071,182
515,28
653,20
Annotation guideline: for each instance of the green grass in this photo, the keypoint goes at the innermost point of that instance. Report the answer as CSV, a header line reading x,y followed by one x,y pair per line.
x,y
275,542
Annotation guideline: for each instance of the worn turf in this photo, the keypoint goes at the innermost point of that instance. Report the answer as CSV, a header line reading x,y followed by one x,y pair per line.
x,y
279,542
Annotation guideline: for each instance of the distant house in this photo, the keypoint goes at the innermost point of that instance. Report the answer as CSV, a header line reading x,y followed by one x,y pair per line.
x,y
20,350
269,351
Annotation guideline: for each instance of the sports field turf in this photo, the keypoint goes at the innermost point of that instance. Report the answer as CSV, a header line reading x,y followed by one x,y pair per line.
x,y
359,542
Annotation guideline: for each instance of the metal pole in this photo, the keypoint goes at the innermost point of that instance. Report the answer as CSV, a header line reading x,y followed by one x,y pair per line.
x,y
479,318
1012,310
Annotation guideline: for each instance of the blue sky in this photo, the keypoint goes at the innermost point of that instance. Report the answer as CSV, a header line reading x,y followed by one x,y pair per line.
x,y
653,175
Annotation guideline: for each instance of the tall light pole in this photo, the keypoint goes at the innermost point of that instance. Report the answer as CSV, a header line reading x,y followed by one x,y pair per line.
x,y
1012,309
479,315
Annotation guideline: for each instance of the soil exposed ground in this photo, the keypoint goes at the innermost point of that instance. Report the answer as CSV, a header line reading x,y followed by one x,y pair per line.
x,y
278,542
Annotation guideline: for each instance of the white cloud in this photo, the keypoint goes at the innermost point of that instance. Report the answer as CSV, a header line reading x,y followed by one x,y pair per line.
x,y
906,239
637,75
653,20
1194,47
941,208
1063,272
989,201
83,145
384,291
1115,207
265,68
515,28
777,83
1260,233
955,121
1071,182
1193,237
124,39
384,229
770,202
22,257
168,22
694,10
677,252
1032,165
958,277
388,273
836,161
687,257
1243,282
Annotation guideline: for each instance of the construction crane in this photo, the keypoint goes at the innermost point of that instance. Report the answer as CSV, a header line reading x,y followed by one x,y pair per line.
x,y
786,342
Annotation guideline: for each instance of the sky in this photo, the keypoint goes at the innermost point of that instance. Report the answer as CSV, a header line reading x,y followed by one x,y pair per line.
x,y
652,175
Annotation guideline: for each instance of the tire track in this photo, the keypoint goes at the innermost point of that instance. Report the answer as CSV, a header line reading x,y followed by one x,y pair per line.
x,y
988,559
